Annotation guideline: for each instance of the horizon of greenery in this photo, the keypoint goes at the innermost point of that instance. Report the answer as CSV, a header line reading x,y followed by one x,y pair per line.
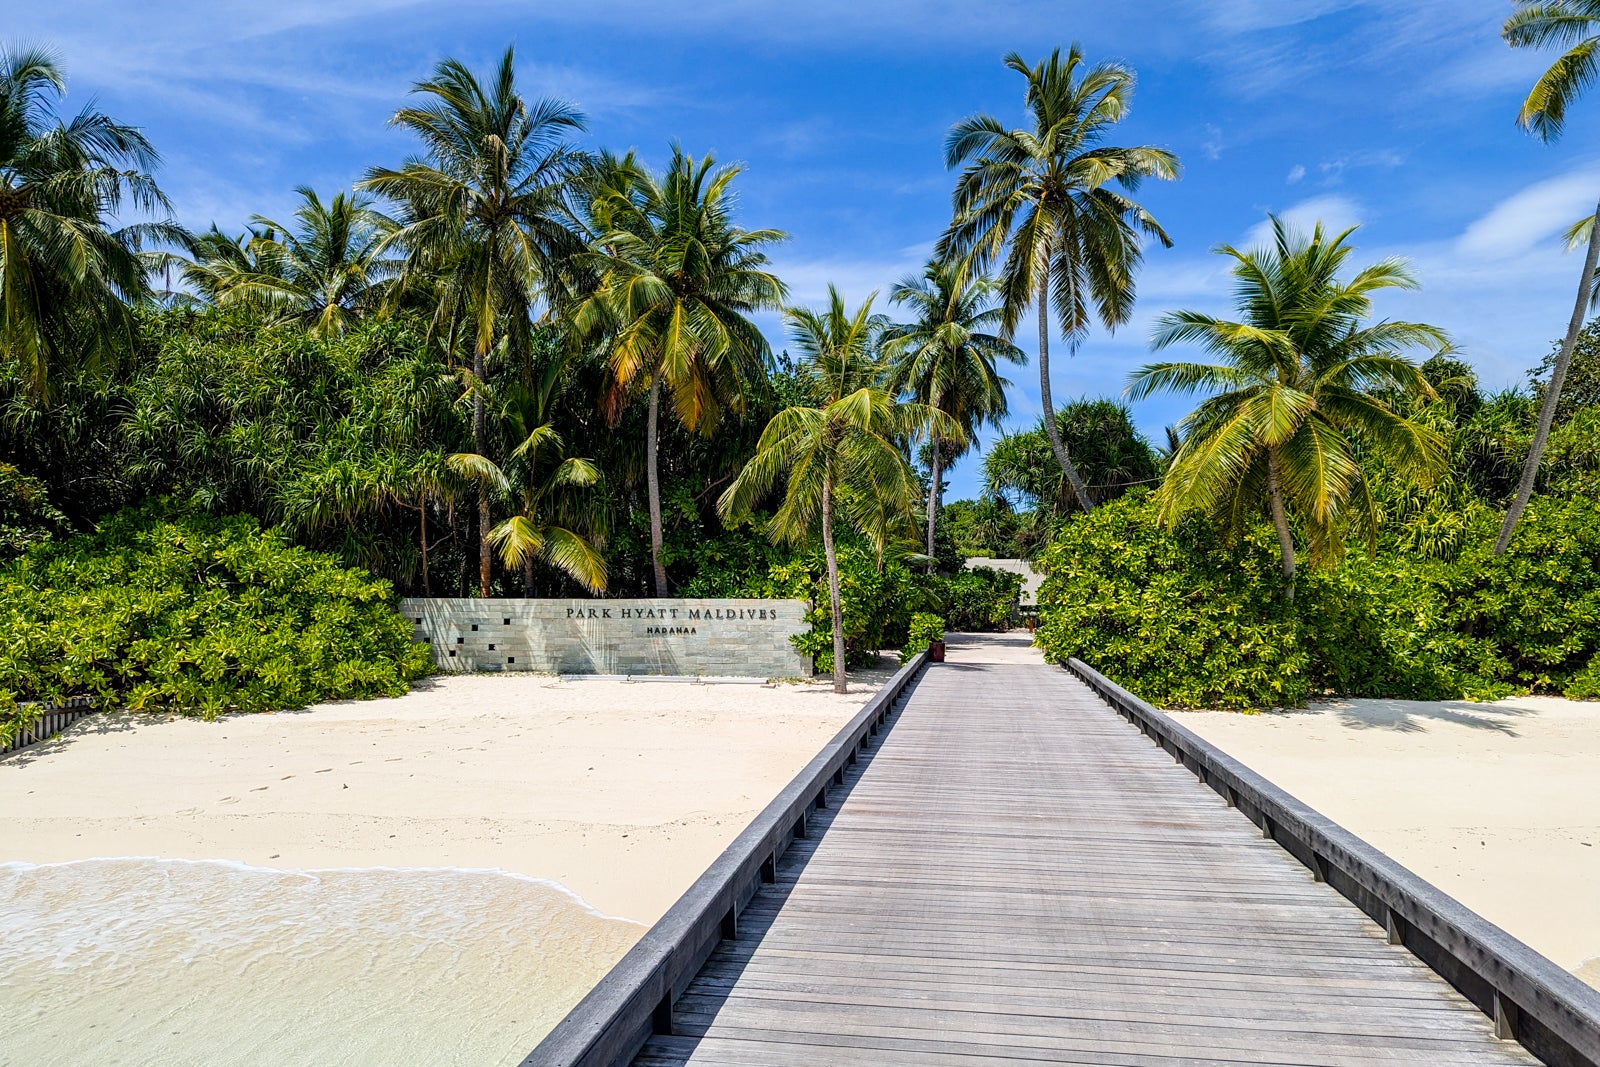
x,y
507,366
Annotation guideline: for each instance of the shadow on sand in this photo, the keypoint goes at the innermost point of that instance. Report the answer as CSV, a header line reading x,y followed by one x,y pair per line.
x,y
1414,716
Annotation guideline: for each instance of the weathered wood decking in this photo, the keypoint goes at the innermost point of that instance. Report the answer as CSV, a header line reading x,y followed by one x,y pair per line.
x,y
1018,876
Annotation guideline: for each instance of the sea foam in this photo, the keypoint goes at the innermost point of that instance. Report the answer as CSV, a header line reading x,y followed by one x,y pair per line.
x,y
145,961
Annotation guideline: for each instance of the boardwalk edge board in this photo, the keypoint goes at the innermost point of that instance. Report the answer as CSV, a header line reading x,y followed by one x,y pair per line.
x,y
1531,1000
634,1000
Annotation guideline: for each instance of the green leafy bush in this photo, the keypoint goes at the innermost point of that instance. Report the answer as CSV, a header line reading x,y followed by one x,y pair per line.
x,y
925,629
197,615
1183,619
26,515
980,599
1175,617
877,601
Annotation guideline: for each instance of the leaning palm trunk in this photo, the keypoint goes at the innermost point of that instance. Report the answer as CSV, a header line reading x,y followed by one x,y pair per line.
x,y
840,684
1280,518
937,447
1079,490
479,442
653,484
1552,393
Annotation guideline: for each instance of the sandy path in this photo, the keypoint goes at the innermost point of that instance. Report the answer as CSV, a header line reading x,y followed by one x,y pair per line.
x,y
1497,804
622,792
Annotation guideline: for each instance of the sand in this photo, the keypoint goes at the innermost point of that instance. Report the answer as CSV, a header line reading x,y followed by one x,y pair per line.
x,y
1497,804
621,792
418,882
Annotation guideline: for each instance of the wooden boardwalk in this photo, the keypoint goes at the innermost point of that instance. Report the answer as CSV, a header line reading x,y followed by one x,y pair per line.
x,y
1018,876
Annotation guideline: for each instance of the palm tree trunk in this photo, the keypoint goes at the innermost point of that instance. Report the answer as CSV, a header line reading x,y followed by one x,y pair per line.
x,y
480,444
1052,431
933,493
423,511
527,576
840,684
1552,393
1280,518
653,484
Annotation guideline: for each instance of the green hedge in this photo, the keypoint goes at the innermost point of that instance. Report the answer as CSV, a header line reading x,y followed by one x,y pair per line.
x,y
1185,620
925,629
978,600
196,615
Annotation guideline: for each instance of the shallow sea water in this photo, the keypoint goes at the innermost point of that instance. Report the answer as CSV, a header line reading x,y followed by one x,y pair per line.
x,y
175,962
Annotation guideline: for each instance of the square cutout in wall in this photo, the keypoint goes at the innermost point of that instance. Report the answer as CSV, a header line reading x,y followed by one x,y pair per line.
x,y
452,653
511,659
474,627
506,622
461,640
491,648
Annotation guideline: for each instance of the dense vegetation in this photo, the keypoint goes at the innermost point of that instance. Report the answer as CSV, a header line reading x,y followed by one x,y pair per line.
x,y
1188,615
510,365
170,611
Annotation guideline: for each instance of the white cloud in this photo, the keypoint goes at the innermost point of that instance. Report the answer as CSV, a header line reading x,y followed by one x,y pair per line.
x,y
1245,16
1336,213
1296,172
808,279
1528,217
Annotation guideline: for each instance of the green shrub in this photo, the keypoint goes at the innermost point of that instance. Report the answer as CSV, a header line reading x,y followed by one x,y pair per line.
x,y
876,601
980,599
1183,619
196,615
925,629
1177,618
26,515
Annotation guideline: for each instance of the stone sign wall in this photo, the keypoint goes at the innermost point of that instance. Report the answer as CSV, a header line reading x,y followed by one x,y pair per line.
x,y
744,638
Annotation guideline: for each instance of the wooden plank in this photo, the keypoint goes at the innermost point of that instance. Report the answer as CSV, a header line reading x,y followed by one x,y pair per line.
x,y
1018,876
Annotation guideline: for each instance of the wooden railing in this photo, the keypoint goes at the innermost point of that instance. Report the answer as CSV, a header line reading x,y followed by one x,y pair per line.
x,y
634,1001
50,719
1531,1000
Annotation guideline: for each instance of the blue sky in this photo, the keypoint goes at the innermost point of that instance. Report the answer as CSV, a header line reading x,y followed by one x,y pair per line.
x,y
1396,116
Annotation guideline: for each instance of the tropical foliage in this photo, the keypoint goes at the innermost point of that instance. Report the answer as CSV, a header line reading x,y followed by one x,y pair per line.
x,y
1572,25
451,380
1113,457
1188,618
678,280
69,273
1298,397
1043,202
925,629
195,615
947,360
324,274
484,224
839,452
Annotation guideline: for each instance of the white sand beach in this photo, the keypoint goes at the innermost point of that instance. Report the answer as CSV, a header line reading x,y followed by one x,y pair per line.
x,y
621,792
454,868
1498,804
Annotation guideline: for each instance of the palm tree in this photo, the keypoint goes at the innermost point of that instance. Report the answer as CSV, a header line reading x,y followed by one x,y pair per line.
x,y
214,259
1298,395
946,358
540,478
67,273
1042,198
484,219
841,451
323,274
1575,26
677,279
